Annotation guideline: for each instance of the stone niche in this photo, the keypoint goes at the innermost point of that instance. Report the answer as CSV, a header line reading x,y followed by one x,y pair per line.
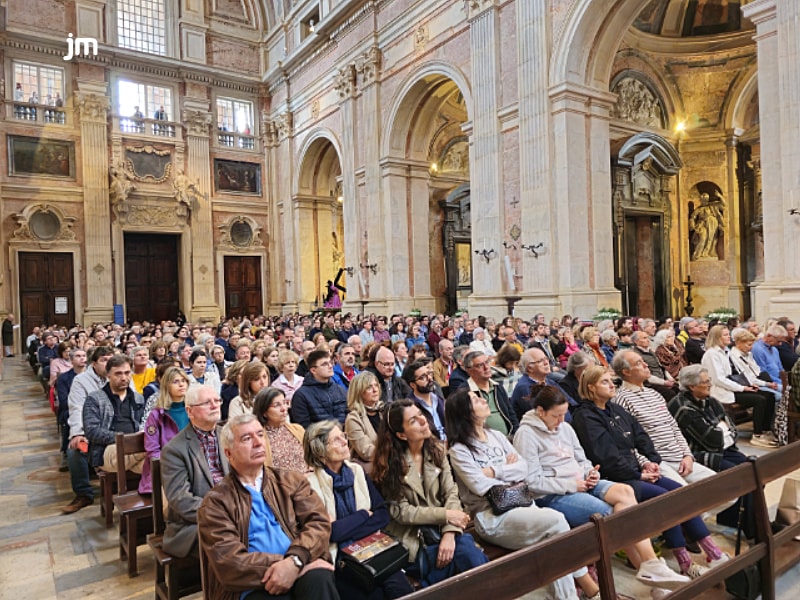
x,y
708,216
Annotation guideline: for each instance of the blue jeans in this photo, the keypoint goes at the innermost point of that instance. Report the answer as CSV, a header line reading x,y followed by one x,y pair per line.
x,y
467,556
695,528
577,508
79,472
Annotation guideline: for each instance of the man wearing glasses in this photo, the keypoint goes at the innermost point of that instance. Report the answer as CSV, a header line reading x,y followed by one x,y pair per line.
x,y
319,398
191,464
535,367
503,418
419,376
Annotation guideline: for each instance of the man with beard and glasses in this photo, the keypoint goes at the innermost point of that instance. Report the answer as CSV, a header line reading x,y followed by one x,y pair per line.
x,y
419,376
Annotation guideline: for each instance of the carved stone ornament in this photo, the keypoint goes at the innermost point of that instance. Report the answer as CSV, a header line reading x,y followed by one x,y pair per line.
x,y
455,158
240,233
637,103
148,164
197,122
368,66
92,107
283,125
476,7
152,216
43,223
315,110
269,133
421,37
187,194
344,82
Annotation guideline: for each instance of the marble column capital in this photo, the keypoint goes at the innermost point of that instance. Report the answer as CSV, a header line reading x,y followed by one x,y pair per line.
x,y
284,125
368,66
475,8
92,107
198,123
344,82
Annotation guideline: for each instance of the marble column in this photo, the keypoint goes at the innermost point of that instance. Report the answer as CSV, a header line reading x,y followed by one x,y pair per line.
x,y
283,153
204,299
778,43
93,105
486,159
582,235
354,223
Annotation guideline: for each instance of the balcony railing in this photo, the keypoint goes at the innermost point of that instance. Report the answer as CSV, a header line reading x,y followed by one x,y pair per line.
x,y
236,140
37,113
147,126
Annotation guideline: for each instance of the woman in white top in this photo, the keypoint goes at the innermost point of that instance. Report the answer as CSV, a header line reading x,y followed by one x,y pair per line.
x,y
744,363
199,374
253,378
288,381
728,391
480,343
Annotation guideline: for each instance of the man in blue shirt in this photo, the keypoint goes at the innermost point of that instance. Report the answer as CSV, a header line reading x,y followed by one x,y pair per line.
x,y
765,352
264,533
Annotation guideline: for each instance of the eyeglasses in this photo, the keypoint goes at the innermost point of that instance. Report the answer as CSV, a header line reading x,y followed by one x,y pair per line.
x,y
423,377
215,401
323,364
704,383
384,364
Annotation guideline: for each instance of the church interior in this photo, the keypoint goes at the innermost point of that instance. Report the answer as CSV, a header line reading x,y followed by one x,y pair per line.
x,y
228,157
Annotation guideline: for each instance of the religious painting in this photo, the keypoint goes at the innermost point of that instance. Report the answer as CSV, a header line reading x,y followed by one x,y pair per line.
x,y
237,177
149,164
651,17
710,17
464,265
40,156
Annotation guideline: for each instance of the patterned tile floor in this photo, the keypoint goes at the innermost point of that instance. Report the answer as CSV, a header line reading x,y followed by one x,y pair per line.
x,y
44,554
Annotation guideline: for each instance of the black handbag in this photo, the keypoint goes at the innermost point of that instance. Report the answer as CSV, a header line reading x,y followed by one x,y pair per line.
x,y
739,378
744,584
503,498
368,562
431,535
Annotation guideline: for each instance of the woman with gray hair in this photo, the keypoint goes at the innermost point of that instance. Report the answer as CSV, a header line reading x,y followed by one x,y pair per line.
x,y
355,506
671,355
480,343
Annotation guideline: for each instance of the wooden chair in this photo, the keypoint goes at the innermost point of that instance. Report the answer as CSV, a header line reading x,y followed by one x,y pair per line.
x,y
135,510
108,486
175,577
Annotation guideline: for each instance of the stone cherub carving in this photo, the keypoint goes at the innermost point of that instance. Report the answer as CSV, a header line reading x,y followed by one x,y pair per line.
x,y
706,223
187,193
120,186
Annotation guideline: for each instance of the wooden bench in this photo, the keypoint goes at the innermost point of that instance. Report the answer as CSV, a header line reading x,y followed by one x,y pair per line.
x,y
175,577
135,510
523,571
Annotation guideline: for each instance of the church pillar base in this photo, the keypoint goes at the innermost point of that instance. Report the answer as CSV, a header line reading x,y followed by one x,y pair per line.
x,y
776,300
97,314
205,314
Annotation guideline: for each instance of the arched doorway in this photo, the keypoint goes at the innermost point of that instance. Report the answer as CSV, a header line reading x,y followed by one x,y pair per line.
x,y
426,182
319,224
644,170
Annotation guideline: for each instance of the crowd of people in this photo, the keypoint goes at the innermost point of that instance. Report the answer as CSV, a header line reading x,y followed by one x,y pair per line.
x,y
285,439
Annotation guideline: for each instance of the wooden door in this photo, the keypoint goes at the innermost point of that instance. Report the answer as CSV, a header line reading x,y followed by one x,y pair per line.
x,y
243,286
151,277
46,290
646,281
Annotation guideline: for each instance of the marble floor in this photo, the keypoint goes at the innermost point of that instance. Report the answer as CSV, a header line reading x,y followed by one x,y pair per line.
x,y
44,554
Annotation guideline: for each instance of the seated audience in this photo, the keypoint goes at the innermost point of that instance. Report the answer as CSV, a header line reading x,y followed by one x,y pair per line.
x,y
728,391
354,505
535,368
254,378
264,531
364,415
284,447
787,349
570,385
319,398
288,380
503,418
191,464
766,354
610,344
200,374
165,420
505,371
612,438
382,365
419,377
742,362
482,458
142,373
563,479
344,371
411,470
660,380
230,386
480,343
591,345
670,355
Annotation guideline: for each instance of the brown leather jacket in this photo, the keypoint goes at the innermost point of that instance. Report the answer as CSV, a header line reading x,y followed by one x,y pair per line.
x,y
224,519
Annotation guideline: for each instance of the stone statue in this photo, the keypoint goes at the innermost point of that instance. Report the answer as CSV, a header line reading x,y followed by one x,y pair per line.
x,y
186,193
120,186
706,223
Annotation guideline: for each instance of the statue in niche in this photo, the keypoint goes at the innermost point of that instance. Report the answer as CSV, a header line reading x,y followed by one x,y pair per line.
x,y
187,194
706,224
120,186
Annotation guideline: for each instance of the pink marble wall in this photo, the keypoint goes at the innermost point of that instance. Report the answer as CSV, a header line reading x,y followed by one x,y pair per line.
x,y
43,15
233,55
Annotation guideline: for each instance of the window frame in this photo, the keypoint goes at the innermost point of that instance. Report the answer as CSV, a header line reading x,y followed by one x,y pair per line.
x,y
171,30
238,139
38,65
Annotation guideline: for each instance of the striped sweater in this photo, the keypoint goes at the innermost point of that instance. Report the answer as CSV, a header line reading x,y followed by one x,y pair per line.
x,y
650,409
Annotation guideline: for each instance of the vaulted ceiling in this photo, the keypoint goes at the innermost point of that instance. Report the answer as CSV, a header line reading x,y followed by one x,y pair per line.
x,y
692,18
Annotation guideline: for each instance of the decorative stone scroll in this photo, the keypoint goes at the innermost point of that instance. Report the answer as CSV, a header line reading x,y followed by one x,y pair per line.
x,y
43,223
92,107
240,233
344,82
148,164
637,103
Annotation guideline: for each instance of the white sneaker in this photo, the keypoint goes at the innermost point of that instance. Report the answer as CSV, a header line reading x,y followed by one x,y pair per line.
x,y
722,559
656,573
695,571
659,593
762,441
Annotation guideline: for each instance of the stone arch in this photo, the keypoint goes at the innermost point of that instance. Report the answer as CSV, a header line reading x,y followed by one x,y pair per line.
x,y
319,149
740,96
412,93
588,41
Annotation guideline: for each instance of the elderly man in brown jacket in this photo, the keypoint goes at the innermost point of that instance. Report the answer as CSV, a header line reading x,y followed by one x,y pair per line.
x,y
263,531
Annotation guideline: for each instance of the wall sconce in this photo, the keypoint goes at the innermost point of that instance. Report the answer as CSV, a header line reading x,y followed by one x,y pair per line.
x,y
533,248
373,268
434,168
506,245
349,270
794,211
486,254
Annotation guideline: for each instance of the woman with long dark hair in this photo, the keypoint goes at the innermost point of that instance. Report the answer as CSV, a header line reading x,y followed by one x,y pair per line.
x,y
411,470
483,458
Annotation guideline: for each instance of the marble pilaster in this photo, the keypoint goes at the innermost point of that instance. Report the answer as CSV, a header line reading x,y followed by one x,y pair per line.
x,y
779,100
485,156
204,299
93,105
